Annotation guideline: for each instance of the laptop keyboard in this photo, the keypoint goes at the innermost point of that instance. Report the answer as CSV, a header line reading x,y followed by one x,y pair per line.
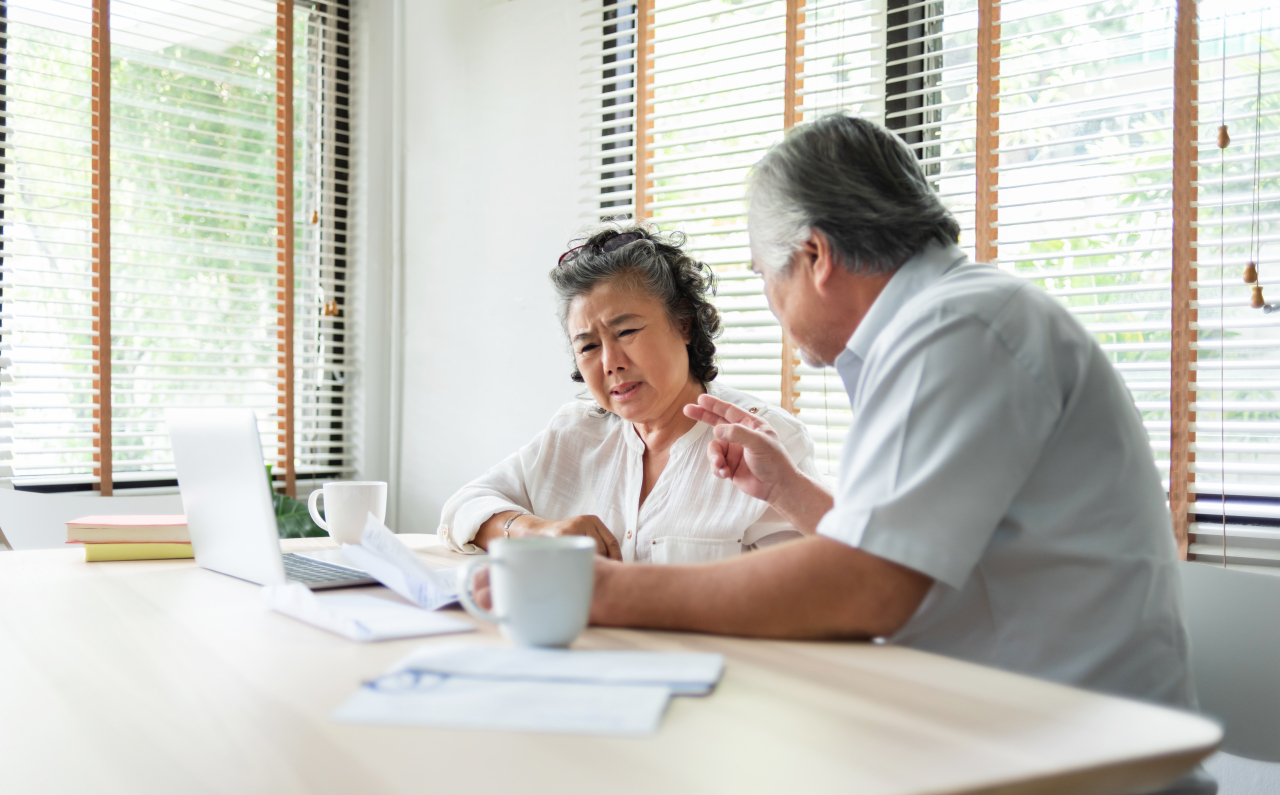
x,y
298,568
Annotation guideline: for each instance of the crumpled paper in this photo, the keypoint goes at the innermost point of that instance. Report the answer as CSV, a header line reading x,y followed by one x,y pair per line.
x,y
357,616
386,558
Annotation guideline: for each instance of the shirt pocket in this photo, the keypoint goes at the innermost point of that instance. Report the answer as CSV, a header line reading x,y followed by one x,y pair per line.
x,y
681,550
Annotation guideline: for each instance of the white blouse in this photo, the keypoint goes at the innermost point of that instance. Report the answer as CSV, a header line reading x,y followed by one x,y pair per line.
x,y
591,462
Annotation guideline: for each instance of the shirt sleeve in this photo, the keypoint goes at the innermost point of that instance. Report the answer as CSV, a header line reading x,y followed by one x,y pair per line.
x,y
947,427
503,488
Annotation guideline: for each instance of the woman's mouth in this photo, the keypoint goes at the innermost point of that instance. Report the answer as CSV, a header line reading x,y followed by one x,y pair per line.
x,y
625,391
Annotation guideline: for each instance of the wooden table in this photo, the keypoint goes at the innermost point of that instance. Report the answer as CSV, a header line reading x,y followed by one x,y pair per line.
x,y
160,677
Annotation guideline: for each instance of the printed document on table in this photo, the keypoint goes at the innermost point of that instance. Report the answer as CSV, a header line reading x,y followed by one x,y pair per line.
x,y
449,702
685,673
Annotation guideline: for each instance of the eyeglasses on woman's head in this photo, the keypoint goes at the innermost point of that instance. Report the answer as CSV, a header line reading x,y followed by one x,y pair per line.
x,y
612,244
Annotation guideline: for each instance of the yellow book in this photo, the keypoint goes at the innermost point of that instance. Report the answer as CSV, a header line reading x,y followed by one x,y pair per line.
x,y
99,552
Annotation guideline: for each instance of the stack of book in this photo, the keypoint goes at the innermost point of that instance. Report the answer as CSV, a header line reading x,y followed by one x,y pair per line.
x,y
131,537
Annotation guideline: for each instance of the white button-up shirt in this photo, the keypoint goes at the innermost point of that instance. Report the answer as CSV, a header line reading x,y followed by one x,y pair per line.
x,y
591,462
995,449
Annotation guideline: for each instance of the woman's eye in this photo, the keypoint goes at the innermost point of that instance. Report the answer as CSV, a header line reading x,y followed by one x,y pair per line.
x,y
587,349
625,332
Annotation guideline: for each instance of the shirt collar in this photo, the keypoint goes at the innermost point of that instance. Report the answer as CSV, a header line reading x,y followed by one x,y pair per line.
x,y
918,272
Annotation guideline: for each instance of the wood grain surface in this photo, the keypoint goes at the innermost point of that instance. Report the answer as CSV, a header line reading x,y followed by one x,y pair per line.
x,y
161,677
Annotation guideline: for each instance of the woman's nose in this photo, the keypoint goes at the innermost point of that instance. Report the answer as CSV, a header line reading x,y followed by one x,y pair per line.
x,y
614,359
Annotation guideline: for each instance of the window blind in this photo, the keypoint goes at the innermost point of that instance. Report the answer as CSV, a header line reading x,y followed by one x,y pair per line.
x,y
1235,472
712,104
325,355
840,68
931,96
716,79
195,310
1084,192
219,275
47,272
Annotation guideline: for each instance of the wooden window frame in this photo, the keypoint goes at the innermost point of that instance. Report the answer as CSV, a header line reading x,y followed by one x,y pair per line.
x,y
101,239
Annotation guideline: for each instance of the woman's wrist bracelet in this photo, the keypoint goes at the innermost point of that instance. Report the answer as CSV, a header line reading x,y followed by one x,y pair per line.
x,y
506,526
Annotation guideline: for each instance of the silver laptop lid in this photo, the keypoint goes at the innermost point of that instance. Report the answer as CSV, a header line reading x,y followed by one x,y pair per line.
x,y
223,480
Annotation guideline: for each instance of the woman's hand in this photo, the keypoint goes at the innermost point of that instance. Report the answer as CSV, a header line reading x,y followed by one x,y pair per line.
x,y
590,526
530,526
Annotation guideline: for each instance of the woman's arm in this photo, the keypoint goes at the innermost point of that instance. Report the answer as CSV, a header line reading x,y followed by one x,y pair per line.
x,y
503,489
530,526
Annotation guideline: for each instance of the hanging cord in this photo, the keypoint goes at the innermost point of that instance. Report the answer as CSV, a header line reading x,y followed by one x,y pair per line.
x,y
1252,270
1223,141
1255,209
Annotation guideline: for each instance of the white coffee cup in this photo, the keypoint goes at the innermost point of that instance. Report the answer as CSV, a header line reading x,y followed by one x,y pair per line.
x,y
540,588
346,504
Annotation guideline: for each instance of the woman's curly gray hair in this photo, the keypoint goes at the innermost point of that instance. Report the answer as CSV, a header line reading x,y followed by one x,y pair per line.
x,y
657,264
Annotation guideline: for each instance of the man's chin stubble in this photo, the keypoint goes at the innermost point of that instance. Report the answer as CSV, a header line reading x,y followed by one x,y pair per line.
x,y
811,359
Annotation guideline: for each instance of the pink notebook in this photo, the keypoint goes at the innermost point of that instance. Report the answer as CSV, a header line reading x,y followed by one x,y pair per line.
x,y
127,529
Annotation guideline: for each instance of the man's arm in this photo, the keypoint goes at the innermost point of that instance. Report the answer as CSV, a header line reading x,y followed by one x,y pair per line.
x,y
809,588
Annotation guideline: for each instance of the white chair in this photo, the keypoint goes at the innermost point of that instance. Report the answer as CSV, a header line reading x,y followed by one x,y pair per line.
x,y
39,521
1233,618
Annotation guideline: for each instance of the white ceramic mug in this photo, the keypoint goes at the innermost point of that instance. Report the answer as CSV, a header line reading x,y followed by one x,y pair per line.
x,y
540,588
346,504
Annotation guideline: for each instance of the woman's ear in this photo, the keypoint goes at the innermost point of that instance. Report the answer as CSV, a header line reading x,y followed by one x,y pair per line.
x,y
686,331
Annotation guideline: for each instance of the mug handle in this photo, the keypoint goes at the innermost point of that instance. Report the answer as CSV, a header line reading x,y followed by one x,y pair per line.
x,y
469,571
315,514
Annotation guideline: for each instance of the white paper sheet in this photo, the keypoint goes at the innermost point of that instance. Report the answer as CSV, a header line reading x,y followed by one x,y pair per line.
x,y
390,562
453,685
521,706
685,673
356,616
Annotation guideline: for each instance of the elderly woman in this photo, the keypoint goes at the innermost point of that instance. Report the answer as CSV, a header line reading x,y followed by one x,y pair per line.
x,y
630,469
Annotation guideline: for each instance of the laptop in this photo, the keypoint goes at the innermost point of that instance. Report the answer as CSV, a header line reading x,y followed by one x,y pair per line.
x,y
227,499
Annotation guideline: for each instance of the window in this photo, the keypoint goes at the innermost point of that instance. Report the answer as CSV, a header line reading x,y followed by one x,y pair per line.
x,y
47,346
1233,376
177,237
1077,145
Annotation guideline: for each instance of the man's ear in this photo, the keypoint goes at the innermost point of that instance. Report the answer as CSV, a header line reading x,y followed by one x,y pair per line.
x,y
823,262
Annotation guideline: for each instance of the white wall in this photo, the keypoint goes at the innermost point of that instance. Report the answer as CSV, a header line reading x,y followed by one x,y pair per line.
x,y
489,184
375,232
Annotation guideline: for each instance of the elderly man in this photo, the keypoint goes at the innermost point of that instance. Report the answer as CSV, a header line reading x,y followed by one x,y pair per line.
x,y
997,500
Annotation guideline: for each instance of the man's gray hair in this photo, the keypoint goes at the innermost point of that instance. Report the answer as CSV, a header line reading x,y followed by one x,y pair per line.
x,y
854,181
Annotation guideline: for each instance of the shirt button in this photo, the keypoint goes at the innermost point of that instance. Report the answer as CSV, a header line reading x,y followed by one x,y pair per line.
x,y
628,534
754,410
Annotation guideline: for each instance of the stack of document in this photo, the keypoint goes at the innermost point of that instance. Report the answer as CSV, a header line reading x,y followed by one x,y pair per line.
x,y
532,690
